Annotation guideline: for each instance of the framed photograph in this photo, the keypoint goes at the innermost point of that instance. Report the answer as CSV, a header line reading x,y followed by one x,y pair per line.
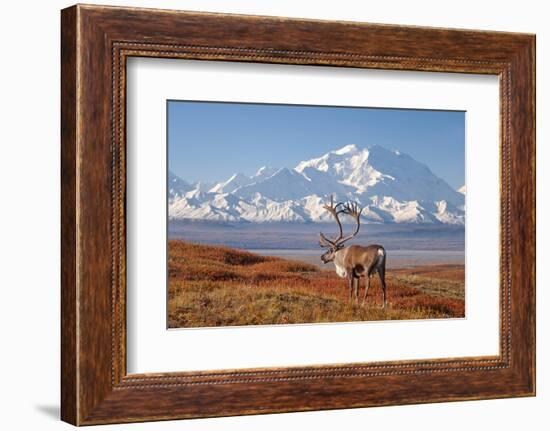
x,y
264,214
245,248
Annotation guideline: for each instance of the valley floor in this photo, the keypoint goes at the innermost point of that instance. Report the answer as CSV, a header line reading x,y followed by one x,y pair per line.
x,y
213,286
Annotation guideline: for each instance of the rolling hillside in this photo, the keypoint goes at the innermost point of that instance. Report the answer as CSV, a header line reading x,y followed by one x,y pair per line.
x,y
221,286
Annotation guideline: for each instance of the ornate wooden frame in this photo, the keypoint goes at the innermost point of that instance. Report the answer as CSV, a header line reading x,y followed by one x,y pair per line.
x,y
95,42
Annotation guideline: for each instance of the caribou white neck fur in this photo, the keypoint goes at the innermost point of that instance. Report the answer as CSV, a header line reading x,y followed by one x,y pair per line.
x,y
339,259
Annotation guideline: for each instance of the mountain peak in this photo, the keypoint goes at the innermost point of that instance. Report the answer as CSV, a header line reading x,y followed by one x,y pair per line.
x,y
351,148
264,172
235,181
284,172
381,149
177,186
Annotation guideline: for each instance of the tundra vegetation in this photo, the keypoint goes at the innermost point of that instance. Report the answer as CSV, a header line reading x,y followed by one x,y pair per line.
x,y
221,286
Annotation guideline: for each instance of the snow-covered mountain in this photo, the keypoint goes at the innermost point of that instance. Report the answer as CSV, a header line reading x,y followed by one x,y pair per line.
x,y
392,187
177,187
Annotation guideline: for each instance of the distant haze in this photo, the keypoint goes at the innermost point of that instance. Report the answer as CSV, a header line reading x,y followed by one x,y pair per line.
x,y
209,142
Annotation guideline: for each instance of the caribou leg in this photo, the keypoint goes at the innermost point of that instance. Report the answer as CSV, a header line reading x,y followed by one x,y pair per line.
x,y
356,289
382,275
351,279
367,285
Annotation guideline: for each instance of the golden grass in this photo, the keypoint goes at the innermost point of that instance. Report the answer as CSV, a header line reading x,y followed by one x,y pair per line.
x,y
220,286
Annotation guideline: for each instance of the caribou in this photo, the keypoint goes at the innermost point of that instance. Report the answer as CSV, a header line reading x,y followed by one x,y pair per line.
x,y
355,261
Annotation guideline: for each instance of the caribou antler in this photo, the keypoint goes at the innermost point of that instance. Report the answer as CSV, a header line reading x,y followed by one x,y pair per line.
x,y
333,209
351,209
324,241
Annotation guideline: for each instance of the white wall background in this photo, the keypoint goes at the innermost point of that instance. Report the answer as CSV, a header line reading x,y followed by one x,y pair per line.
x,y
29,214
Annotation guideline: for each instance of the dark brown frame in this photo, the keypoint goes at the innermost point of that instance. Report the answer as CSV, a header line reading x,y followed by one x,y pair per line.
x,y
95,43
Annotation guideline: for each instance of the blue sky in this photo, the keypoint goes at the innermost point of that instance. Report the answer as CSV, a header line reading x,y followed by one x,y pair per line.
x,y
210,141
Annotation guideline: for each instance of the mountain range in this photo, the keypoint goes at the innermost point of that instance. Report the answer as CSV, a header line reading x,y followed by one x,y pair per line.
x,y
391,186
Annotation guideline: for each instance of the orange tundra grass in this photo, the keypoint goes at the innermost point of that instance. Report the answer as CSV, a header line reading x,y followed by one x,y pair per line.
x,y
220,286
